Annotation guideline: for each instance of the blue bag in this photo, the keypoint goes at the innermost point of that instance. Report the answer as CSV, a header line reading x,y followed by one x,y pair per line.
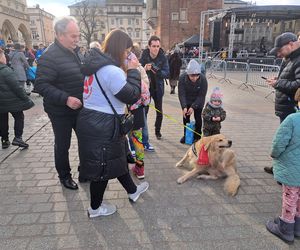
x,y
189,135
30,73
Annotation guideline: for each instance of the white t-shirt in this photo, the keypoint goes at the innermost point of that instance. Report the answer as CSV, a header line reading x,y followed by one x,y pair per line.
x,y
112,80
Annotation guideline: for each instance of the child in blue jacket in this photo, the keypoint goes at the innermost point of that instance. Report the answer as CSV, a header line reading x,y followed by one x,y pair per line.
x,y
286,167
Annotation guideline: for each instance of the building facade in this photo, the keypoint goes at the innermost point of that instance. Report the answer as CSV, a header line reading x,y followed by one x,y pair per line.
x,y
14,22
126,15
176,20
41,26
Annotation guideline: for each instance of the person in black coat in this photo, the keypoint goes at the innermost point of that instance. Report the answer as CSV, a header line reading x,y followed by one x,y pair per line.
x,y
60,82
156,65
175,64
192,89
288,80
102,146
14,100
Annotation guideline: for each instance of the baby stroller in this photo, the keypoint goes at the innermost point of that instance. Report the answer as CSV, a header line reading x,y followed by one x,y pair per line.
x,y
30,74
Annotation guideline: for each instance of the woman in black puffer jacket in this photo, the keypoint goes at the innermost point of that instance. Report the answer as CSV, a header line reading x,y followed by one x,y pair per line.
x,y
102,148
14,100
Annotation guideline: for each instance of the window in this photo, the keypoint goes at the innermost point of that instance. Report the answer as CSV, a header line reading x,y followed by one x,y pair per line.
x,y
183,14
137,33
112,21
129,31
175,16
35,35
129,21
121,21
154,4
32,22
120,8
137,21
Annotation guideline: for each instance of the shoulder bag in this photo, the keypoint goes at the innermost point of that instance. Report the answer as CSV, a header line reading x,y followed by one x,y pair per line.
x,y
126,121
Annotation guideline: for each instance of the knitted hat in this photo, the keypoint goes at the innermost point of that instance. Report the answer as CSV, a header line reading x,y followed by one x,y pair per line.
x,y
193,67
216,95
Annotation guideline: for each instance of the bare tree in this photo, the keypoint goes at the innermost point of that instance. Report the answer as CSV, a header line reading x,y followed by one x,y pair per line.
x,y
86,13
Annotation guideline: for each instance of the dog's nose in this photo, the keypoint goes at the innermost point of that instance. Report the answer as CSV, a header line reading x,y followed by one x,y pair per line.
x,y
230,142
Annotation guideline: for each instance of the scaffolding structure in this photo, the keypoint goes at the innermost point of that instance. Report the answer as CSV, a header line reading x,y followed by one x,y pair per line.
x,y
216,14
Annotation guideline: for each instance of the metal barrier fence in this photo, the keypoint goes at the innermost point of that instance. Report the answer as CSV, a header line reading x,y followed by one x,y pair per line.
x,y
249,75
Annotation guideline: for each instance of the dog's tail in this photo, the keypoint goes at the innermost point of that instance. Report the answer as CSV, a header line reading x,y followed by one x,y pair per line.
x,y
232,184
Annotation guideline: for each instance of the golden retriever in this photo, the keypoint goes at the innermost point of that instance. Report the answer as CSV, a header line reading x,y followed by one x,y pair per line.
x,y
222,162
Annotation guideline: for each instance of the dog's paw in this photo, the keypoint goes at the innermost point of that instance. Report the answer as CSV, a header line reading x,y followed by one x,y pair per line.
x,y
180,180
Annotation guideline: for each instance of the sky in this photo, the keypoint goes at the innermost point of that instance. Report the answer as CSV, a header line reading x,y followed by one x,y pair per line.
x,y
60,7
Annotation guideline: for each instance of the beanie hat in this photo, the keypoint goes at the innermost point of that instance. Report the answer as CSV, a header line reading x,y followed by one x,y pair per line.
x,y
216,95
193,67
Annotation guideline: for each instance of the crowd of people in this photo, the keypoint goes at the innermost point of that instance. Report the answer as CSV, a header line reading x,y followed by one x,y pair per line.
x,y
92,92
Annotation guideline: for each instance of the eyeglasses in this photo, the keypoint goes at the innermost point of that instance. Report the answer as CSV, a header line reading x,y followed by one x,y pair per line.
x,y
194,75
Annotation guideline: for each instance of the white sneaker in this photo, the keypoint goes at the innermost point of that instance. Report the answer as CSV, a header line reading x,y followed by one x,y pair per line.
x,y
139,190
103,210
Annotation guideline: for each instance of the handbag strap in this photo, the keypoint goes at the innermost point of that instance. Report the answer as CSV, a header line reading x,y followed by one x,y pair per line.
x,y
103,92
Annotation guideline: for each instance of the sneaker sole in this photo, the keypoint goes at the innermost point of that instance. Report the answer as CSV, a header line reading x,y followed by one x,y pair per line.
x,y
99,215
134,200
15,144
140,176
149,150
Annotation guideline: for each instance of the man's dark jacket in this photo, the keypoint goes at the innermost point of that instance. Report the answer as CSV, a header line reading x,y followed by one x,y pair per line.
x,y
192,94
157,86
287,84
58,77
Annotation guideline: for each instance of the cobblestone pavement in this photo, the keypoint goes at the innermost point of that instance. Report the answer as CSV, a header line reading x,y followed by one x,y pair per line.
x,y
37,213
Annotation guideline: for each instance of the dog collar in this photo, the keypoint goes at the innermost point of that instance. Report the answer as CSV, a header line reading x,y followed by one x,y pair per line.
x,y
194,149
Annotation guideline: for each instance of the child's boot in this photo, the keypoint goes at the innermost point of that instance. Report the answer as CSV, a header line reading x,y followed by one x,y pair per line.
x,y
138,170
282,230
297,227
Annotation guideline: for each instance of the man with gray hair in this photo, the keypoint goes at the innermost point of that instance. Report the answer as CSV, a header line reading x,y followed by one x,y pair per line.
x,y
60,82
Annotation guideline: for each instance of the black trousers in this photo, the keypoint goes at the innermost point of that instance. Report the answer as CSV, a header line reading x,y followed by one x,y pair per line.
x,y
198,121
18,125
62,128
159,117
97,189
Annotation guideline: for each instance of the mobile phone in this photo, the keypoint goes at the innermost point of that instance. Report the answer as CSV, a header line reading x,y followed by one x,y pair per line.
x,y
265,78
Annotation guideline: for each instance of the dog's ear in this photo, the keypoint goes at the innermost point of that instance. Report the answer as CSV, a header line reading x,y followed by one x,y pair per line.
x,y
207,144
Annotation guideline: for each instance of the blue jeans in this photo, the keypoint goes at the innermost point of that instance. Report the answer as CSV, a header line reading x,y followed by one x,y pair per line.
x,y
145,128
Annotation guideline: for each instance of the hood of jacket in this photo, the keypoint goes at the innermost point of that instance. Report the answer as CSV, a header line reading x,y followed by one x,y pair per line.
x,y
95,60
